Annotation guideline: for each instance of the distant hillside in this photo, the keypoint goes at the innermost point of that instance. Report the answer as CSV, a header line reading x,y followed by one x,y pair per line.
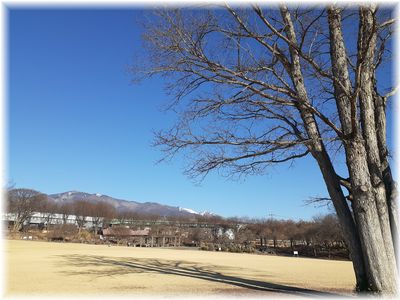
x,y
124,205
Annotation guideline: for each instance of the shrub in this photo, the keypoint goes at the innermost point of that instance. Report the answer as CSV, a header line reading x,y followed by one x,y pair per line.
x,y
62,232
211,247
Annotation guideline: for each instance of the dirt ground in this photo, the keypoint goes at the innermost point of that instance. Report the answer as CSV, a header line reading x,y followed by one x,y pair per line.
x,y
44,268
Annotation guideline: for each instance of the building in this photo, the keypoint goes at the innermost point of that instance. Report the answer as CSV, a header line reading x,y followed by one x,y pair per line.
x,y
142,237
44,220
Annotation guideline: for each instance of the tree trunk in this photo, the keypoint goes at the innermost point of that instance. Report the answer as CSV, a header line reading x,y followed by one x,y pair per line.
x,y
369,198
366,45
318,151
347,223
17,226
379,266
390,185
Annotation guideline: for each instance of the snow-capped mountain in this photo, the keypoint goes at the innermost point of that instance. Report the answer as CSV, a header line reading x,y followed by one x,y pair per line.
x,y
207,213
124,205
191,211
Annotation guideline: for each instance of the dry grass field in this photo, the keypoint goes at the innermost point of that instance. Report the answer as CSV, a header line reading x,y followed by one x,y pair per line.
x,y
43,268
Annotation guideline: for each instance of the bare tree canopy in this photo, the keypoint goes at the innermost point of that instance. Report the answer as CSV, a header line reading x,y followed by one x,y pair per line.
x,y
82,209
258,86
23,203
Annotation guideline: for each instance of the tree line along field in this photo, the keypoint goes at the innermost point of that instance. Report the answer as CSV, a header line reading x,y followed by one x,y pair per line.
x,y
39,268
320,237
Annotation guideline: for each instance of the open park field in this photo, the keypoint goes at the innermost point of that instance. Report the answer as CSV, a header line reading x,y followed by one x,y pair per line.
x,y
44,268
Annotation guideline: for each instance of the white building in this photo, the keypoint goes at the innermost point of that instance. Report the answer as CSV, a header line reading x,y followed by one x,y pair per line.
x,y
50,219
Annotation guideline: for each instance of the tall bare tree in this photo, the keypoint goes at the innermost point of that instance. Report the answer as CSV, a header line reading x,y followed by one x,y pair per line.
x,y
82,209
66,210
48,209
23,203
327,231
101,211
254,87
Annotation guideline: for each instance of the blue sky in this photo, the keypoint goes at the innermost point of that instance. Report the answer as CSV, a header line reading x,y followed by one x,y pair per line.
x,y
77,123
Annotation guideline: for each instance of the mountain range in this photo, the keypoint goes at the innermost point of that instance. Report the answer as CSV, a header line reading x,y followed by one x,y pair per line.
x,y
121,205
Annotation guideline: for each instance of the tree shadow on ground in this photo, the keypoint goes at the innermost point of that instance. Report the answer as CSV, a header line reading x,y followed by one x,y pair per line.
x,y
100,266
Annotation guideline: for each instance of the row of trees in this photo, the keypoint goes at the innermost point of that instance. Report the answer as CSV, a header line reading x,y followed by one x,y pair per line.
x,y
322,231
23,203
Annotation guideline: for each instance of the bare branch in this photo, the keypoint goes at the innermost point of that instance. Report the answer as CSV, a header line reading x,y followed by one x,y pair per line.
x,y
387,23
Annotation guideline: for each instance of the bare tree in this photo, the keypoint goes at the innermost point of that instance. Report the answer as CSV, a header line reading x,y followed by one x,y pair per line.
x,y
82,210
198,235
328,232
124,215
48,208
274,229
66,210
255,87
291,232
23,203
244,236
101,211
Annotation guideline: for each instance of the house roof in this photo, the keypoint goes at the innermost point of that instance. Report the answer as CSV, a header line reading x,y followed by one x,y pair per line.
x,y
123,231
141,232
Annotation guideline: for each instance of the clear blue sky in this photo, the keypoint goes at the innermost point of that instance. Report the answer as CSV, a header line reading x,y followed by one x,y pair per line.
x,y
77,123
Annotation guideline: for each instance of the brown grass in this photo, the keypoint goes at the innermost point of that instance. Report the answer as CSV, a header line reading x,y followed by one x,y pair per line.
x,y
44,268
